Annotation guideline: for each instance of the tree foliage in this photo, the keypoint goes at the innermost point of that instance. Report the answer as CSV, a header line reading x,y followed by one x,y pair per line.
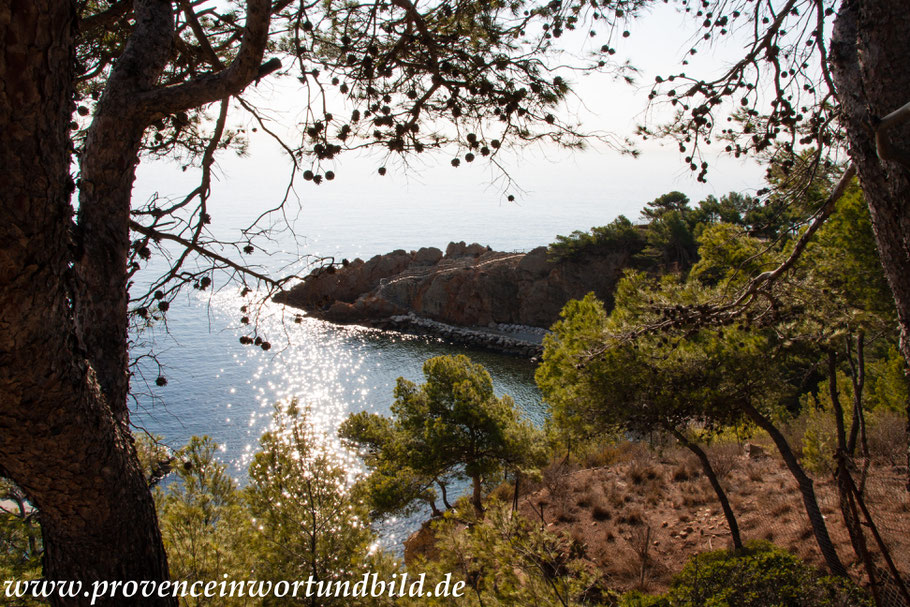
x,y
296,519
204,522
106,84
758,576
309,522
452,426
506,559
651,365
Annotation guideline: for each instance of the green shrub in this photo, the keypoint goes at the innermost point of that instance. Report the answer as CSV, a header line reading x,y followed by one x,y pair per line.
x,y
760,575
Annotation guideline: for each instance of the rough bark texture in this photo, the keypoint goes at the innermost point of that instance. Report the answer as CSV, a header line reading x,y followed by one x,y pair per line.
x,y
64,422
108,170
869,51
59,437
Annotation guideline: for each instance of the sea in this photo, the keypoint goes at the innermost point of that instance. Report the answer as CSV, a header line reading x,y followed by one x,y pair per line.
x,y
220,388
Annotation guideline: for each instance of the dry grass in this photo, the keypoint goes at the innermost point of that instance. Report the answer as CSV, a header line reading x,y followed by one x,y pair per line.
x,y
724,458
600,512
885,430
643,469
781,508
605,505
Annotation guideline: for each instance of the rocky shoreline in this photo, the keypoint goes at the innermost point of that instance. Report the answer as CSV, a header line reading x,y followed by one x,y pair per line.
x,y
471,294
516,340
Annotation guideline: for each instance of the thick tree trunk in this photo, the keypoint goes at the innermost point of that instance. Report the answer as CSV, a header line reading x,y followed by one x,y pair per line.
x,y
108,169
869,51
715,484
806,489
59,437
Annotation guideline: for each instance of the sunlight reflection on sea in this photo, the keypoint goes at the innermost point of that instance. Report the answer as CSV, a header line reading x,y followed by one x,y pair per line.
x,y
227,391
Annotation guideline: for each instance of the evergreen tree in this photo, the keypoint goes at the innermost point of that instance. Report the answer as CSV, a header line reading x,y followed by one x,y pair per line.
x,y
451,426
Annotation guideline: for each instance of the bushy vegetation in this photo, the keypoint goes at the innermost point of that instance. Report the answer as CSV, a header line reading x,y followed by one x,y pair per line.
x,y
620,235
807,362
760,575
297,517
668,233
705,347
451,426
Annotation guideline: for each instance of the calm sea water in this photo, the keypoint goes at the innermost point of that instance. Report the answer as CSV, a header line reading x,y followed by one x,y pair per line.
x,y
219,388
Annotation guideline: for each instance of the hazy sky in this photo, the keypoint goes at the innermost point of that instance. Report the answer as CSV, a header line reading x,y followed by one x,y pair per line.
x,y
594,185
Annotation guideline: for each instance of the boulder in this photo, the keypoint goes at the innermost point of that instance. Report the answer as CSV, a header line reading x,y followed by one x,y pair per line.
x,y
427,256
455,249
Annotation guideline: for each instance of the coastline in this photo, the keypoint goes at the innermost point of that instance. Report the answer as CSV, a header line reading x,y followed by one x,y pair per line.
x,y
513,339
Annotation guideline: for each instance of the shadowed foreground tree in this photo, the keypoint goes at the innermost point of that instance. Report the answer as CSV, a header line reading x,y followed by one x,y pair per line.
x,y
112,82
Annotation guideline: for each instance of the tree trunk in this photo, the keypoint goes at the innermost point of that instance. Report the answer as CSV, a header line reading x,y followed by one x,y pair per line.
x,y
108,169
715,483
444,494
869,50
806,489
60,439
515,494
477,496
842,473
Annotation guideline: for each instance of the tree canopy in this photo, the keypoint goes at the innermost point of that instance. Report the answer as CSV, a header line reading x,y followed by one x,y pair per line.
x,y
103,85
451,426
653,365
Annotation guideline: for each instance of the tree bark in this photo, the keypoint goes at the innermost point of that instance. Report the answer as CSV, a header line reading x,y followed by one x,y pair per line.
x,y
444,494
108,169
64,421
715,483
869,50
60,439
806,489
477,495
515,493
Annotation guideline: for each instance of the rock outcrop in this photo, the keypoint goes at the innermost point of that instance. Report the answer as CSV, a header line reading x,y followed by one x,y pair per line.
x,y
468,286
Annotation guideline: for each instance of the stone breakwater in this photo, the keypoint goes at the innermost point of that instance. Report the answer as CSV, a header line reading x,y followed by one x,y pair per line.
x,y
519,340
469,294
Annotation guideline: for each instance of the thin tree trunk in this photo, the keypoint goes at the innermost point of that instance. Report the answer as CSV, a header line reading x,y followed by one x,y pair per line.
x,y
444,494
896,577
715,483
515,494
844,480
806,489
477,495
59,438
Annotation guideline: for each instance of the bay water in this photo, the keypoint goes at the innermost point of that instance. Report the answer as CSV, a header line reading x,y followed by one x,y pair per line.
x,y
217,387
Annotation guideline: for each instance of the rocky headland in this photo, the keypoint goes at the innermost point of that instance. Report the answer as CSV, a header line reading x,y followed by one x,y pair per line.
x,y
469,294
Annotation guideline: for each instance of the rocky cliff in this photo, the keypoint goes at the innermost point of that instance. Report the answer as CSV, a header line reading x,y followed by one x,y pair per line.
x,y
468,286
